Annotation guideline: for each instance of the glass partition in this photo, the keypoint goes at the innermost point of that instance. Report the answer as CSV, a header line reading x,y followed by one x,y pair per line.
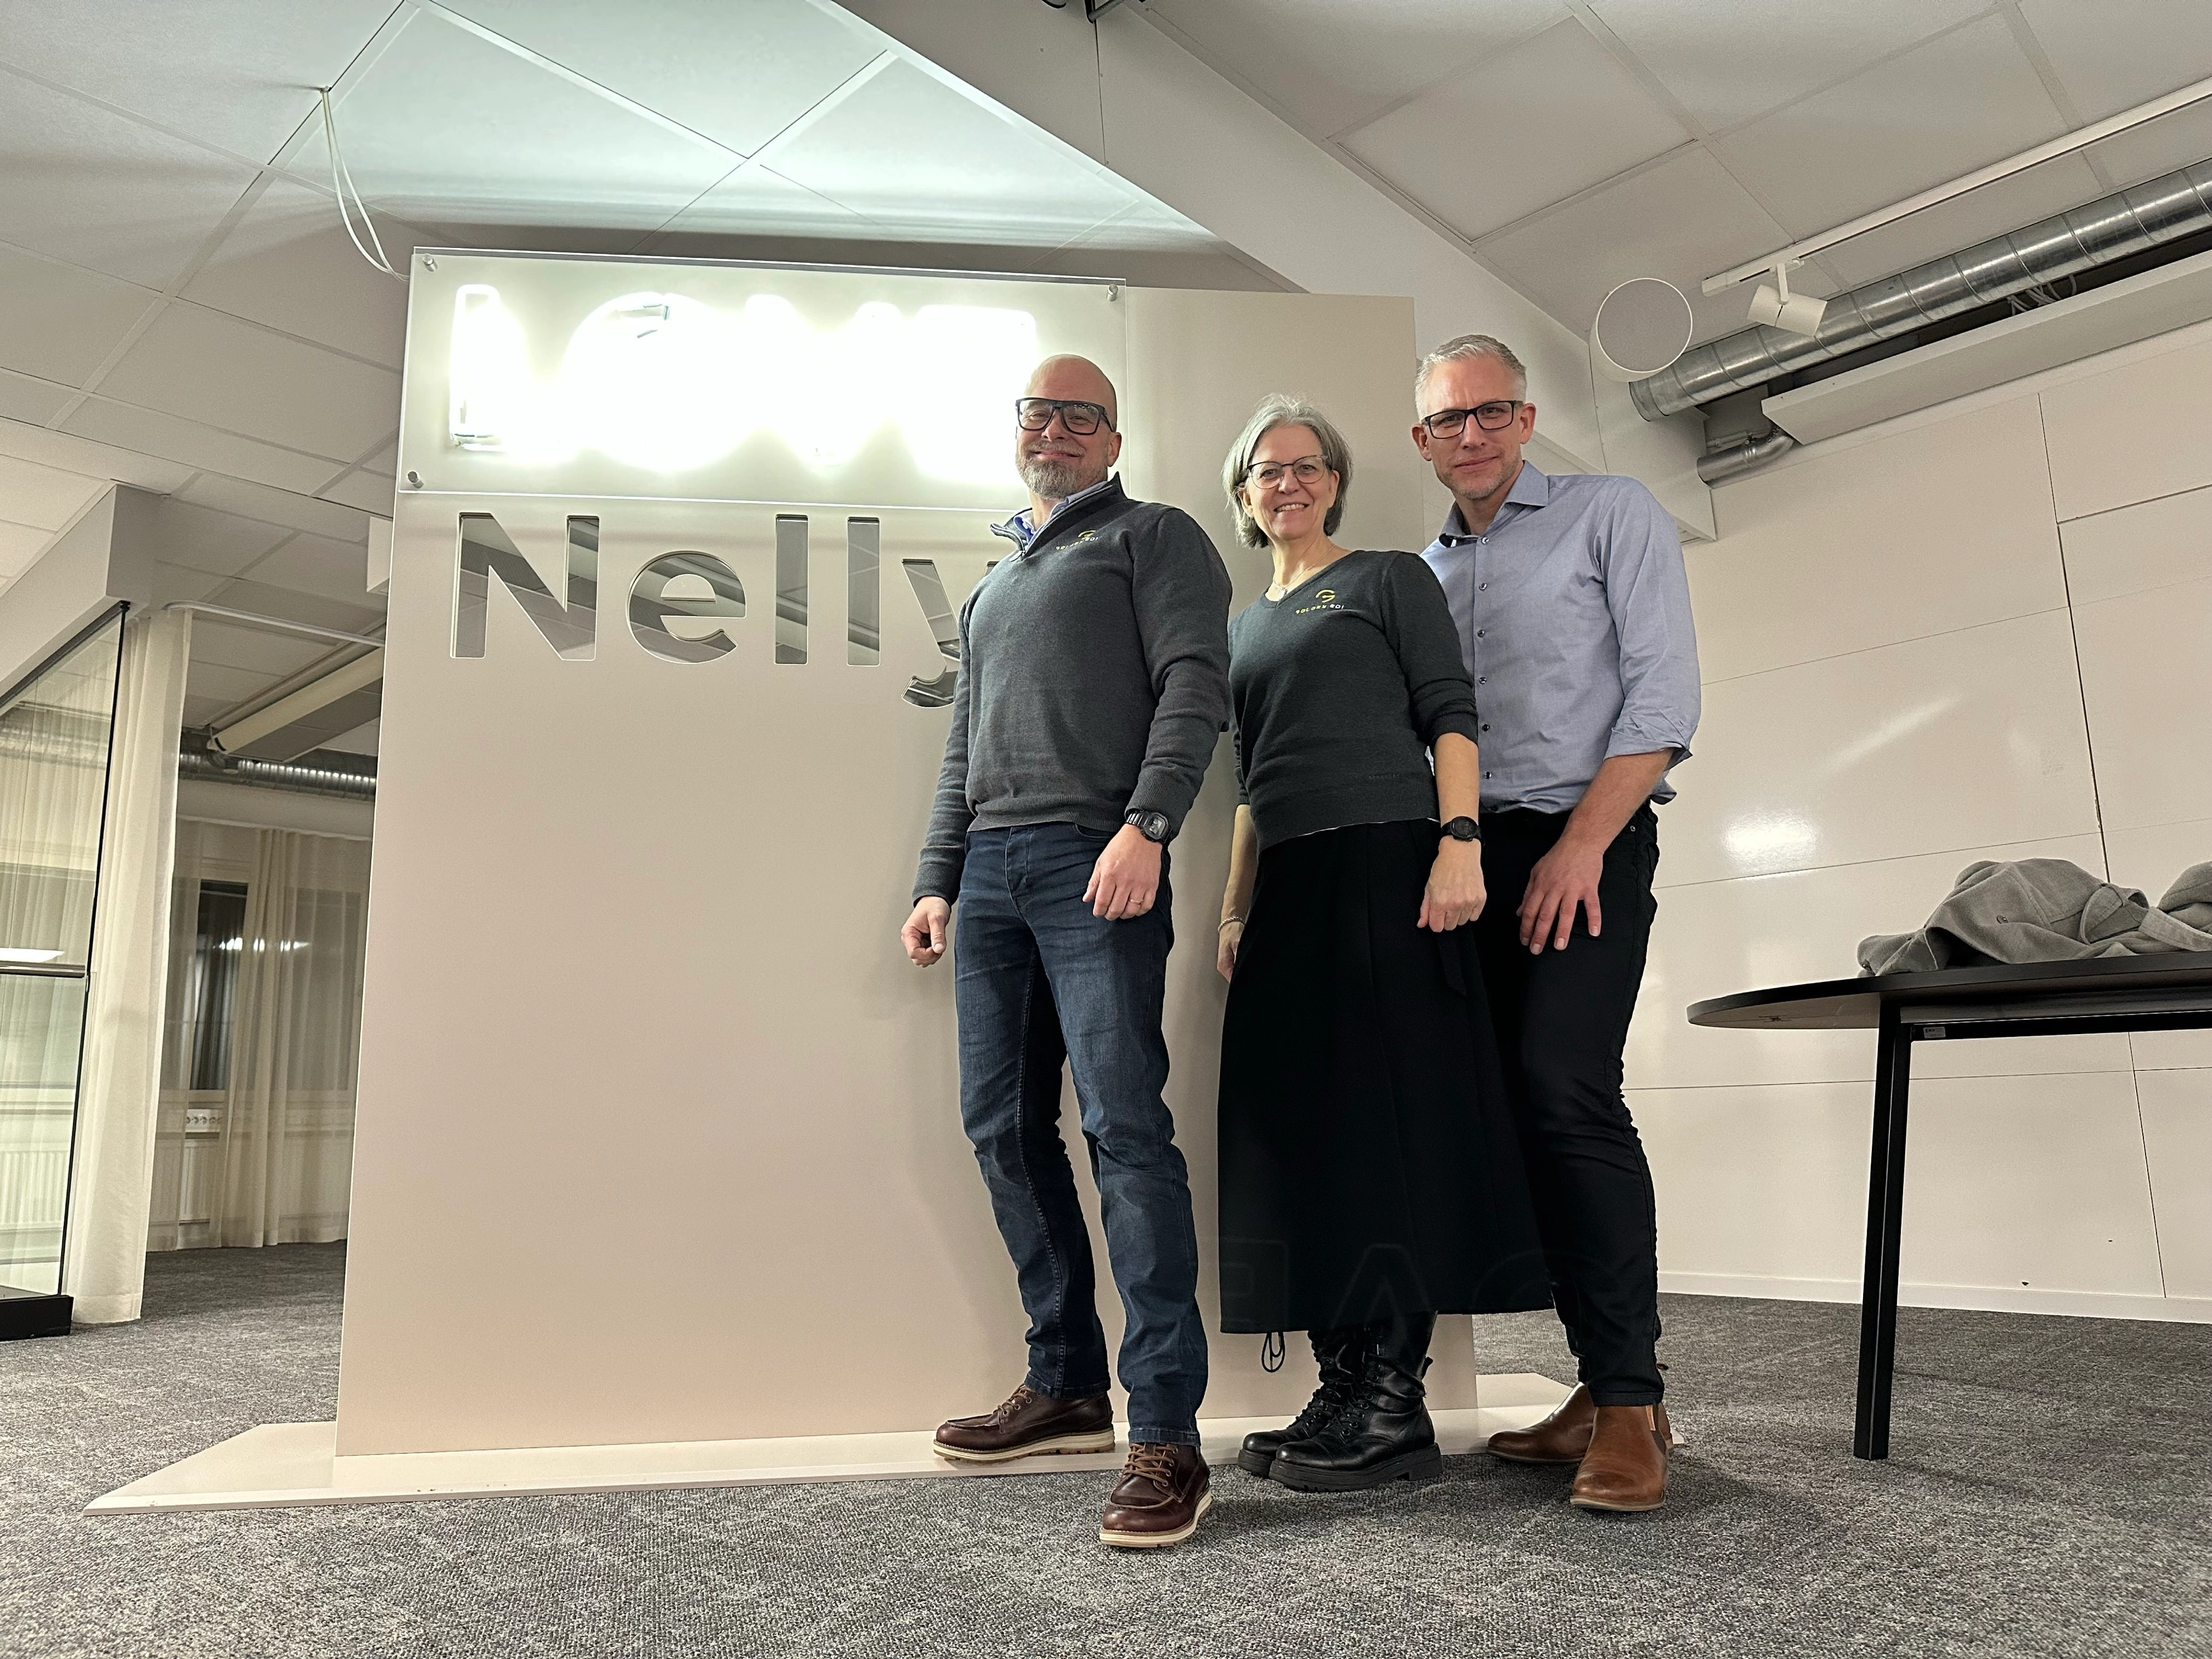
x,y
54,732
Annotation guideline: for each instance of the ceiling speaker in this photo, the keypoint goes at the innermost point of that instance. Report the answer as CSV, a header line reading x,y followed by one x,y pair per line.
x,y
1641,326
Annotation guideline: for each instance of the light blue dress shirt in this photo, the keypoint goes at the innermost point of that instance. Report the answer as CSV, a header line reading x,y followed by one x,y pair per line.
x,y
1574,611
1022,534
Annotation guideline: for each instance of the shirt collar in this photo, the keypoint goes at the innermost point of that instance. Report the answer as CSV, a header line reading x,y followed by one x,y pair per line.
x,y
1531,488
1022,533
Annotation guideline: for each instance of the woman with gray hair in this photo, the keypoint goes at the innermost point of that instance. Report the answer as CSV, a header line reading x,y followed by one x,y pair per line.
x,y
1370,1177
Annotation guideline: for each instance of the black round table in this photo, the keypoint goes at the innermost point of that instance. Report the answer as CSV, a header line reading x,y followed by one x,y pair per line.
x,y
2036,999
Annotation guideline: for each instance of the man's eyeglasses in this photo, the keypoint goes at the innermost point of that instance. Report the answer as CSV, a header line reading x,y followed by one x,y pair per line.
x,y
1491,417
1307,470
1078,417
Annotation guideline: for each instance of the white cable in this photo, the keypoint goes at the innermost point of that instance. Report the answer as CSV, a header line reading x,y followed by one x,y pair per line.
x,y
341,182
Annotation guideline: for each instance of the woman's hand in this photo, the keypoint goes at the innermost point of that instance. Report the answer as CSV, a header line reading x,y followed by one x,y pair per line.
x,y
1454,895
1232,935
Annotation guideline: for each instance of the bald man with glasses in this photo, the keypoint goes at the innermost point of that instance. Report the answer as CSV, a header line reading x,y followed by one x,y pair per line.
x,y
1093,685
1573,610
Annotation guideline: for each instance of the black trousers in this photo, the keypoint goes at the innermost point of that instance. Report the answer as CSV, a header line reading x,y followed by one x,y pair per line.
x,y
1562,1019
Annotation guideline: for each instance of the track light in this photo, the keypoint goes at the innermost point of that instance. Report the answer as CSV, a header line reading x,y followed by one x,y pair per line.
x,y
1778,307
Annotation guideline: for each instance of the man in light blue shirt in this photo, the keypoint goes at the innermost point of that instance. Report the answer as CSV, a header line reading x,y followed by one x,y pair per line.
x,y
1574,611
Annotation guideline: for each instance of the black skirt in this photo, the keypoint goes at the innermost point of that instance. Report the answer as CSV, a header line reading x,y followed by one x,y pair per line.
x,y
1368,1157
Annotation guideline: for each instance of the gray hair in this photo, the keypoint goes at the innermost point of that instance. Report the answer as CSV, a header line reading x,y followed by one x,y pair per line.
x,y
1465,346
1280,410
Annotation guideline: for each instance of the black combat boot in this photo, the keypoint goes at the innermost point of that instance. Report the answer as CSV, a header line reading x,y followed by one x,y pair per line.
x,y
1383,1433
1341,1354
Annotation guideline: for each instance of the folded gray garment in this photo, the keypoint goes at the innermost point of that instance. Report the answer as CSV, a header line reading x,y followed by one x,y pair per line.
x,y
2046,910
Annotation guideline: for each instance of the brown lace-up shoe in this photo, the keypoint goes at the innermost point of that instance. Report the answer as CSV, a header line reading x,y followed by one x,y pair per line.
x,y
1026,1425
1163,1491
1626,1468
1562,1437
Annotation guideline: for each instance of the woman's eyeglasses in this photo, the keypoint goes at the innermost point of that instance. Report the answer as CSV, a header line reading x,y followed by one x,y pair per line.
x,y
1491,417
1309,469
1078,417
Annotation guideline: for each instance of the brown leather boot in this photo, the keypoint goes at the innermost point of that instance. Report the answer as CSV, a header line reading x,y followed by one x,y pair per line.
x,y
1626,1468
1163,1491
1562,1437
1026,1425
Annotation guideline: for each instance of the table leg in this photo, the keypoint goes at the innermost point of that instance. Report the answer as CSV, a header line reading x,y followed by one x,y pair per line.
x,y
1893,1077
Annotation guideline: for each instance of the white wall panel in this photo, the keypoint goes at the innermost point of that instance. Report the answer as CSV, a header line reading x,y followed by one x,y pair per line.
x,y
1967,740
2176,1117
2147,677
2132,433
1715,938
1915,534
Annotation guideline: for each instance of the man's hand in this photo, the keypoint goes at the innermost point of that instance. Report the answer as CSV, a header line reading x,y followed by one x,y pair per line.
x,y
924,932
1563,878
1224,955
1126,878
1455,894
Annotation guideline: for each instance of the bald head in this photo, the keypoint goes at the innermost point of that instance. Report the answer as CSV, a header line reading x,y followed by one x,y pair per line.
x,y
1058,460
1070,376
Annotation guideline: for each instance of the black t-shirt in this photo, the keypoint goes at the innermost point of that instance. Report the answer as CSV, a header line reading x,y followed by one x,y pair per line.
x,y
1340,688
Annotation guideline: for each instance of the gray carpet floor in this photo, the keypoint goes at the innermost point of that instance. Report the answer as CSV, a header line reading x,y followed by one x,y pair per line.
x,y
2046,1496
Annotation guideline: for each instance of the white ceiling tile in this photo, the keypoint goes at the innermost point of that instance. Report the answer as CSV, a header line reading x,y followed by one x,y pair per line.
x,y
23,397
385,460
171,438
1729,60
2111,55
292,510
264,600
224,685
740,74
2179,140
96,460
289,264
58,322
445,126
309,564
200,709
1681,219
20,545
962,172
95,188
44,497
361,741
206,366
1327,77
173,584
1966,220
218,544
1941,110
372,492
257,650
1555,115
235,73
757,201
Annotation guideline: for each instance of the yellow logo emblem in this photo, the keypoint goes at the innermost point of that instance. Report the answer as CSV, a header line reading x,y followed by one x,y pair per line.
x,y
1328,595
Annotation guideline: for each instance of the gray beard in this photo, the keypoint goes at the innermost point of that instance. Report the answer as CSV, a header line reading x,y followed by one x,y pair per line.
x,y
1055,481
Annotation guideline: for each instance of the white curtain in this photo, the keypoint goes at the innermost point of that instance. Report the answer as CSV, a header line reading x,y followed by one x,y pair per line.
x,y
104,1266
263,1153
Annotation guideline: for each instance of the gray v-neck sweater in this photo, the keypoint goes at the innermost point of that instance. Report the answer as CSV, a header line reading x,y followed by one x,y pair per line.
x,y
1093,680
1340,688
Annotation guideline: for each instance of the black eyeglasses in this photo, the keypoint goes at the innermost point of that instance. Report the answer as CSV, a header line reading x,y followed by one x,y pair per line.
x,y
1491,417
1078,417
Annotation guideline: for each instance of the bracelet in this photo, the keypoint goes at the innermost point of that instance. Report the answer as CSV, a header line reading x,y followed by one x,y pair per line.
x,y
1225,921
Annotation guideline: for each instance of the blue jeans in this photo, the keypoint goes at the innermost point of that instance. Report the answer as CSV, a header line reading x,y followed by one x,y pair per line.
x,y
1040,980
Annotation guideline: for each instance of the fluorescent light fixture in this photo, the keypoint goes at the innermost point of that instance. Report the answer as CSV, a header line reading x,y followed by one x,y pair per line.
x,y
668,382
24,953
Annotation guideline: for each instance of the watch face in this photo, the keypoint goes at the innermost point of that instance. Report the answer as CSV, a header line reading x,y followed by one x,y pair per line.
x,y
1152,826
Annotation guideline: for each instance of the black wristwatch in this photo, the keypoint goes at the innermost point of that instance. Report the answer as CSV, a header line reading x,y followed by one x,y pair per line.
x,y
1462,830
1152,826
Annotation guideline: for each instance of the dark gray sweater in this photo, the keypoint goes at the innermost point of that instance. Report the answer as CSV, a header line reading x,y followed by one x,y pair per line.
x,y
1341,688
1093,680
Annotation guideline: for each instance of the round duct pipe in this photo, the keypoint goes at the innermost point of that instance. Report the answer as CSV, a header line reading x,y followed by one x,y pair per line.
x,y
2125,222
277,774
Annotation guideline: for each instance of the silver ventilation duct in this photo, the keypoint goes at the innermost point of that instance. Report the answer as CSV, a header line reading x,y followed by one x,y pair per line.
x,y
277,774
2128,221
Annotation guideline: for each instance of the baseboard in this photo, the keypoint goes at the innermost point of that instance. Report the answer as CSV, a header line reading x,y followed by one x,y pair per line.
x,y
1990,1298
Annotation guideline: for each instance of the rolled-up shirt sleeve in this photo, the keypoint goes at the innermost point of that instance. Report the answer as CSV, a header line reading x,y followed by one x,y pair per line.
x,y
1648,590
